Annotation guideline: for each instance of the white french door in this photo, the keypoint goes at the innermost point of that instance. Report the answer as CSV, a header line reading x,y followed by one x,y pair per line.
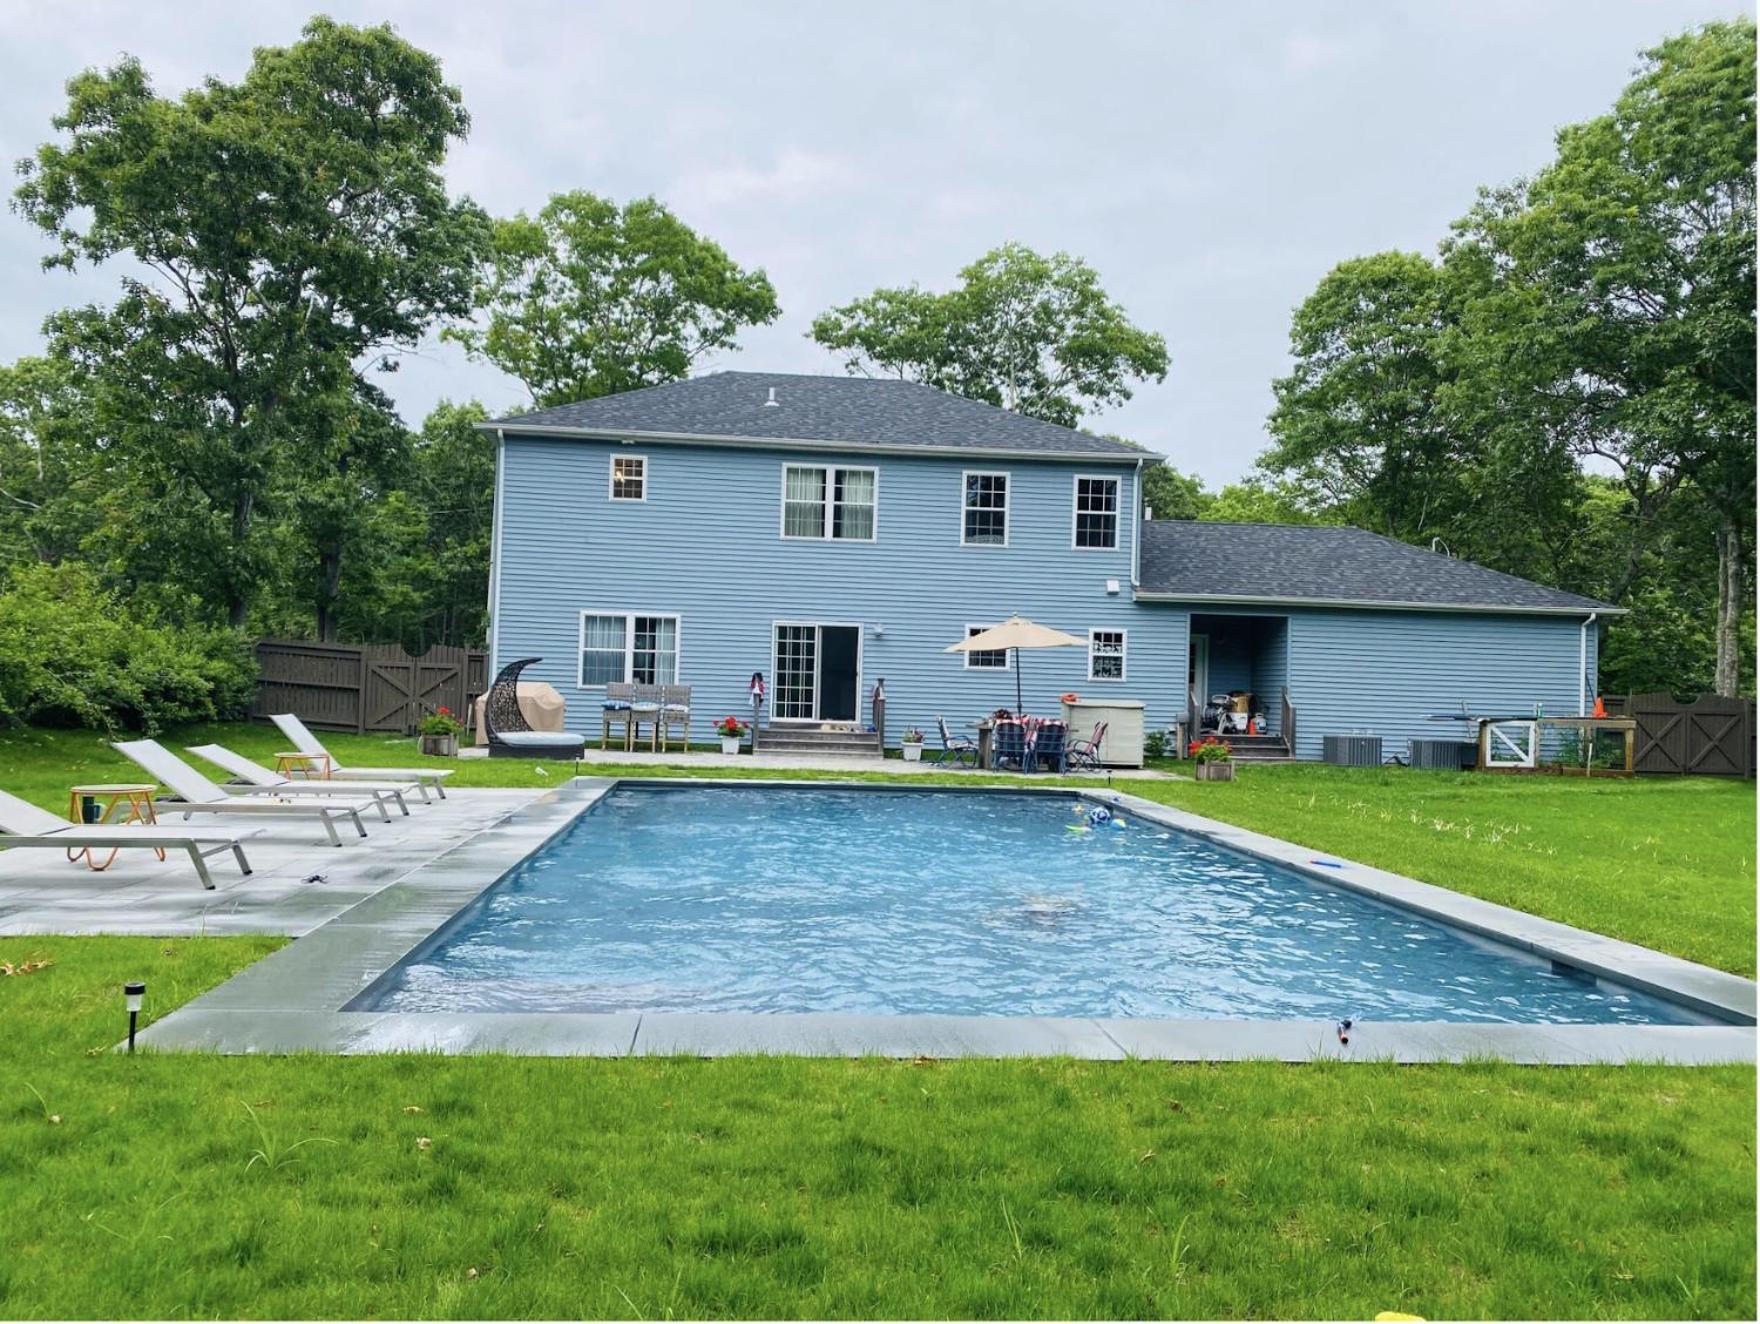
x,y
796,698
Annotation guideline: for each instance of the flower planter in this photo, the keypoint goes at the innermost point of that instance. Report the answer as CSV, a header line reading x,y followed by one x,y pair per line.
x,y
1218,770
445,747
912,753
730,744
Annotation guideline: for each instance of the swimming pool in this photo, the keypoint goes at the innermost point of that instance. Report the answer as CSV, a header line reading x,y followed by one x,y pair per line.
x,y
729,899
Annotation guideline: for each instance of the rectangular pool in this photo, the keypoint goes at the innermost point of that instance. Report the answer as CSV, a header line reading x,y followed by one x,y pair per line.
x,y
764,899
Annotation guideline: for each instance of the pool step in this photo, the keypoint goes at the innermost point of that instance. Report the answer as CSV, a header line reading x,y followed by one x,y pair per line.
x,y
782,740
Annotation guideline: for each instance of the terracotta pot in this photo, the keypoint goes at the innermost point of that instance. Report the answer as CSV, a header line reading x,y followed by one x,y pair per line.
x,y
1220,770
445,747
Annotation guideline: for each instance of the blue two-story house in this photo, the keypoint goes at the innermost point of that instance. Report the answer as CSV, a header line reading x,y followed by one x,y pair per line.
x,y
830,532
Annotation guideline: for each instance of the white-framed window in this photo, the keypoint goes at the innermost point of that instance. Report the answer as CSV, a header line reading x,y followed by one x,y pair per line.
x,y
984,509
1106,654
829,501
985,659
629,477
619,646
1095,518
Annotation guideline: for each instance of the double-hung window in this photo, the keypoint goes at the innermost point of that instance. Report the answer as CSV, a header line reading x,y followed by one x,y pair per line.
x,y
828,501
984,520
1106,654
624,646
629,477
985,659
1096,513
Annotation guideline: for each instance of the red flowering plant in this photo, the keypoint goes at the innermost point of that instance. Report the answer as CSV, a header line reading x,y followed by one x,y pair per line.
x,y
441,722
730,728
1209,750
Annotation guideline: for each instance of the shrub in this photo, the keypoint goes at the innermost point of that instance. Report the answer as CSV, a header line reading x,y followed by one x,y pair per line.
x,y
74,653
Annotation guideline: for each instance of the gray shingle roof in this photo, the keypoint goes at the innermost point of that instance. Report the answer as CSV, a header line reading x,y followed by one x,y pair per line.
x,y
1301,563
853,411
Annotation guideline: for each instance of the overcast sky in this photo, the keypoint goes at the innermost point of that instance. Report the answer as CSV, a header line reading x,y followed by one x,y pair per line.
x,y
1211,161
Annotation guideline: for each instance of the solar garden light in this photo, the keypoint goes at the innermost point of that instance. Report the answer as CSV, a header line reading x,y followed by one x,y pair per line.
x,y
133,993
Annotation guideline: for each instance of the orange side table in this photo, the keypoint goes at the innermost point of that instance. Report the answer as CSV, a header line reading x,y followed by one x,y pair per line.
x,y
136,796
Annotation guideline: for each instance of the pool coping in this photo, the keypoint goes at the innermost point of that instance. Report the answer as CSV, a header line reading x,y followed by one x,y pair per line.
x,y
294,999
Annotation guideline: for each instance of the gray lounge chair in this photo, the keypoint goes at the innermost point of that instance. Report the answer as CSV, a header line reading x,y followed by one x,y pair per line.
x,y
960,751
197,795
307,743
24,825
262,781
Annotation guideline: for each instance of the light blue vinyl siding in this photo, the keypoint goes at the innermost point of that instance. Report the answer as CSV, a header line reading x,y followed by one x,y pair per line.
x,y
1388,671
706,546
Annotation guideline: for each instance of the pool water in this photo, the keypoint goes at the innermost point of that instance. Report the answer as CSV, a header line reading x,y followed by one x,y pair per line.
x,y
825,900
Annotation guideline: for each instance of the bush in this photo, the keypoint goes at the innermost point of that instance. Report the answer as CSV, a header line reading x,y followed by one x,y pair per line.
x,y
74,653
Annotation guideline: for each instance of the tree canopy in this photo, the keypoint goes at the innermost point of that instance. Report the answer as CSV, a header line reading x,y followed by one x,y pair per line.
x,y
588,298
287,229
1034,334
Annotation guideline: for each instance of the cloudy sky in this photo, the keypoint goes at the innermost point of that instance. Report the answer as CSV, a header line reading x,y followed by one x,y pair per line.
x,y
1212,161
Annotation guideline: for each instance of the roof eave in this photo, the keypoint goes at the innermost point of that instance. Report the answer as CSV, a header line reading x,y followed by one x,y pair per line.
x,y
1375,604
1125,456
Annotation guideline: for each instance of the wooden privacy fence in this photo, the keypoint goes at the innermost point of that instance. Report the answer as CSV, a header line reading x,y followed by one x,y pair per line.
x,y
1709,737
365,687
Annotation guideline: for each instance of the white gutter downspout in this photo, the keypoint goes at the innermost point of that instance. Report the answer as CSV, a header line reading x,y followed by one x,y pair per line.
x,y
1137,535
495,559
1583,665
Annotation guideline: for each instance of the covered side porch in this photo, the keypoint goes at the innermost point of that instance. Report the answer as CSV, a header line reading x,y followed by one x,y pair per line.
x,y
1237,682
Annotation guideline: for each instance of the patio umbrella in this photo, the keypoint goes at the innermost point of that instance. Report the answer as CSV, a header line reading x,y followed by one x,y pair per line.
x,y
1016,633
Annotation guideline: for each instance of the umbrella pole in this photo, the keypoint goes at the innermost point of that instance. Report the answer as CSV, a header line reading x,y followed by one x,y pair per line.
x,y
1017,683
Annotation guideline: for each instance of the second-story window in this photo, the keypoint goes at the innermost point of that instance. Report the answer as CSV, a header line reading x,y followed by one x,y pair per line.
x,y
821,501
986,510
1096,513
629,477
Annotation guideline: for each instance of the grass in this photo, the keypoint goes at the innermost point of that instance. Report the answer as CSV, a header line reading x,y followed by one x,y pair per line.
x,y
1668,863
503,1187
494,1187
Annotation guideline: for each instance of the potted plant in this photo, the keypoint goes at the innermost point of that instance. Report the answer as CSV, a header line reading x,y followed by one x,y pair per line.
x,y
439,731
1214,758
732,731
911,745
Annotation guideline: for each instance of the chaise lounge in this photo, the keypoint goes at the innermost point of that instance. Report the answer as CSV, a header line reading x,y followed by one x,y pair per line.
x,y
261,781
23,824
307,743
197,795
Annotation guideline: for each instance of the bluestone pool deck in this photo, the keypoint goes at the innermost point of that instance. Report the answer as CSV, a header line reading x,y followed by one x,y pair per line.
x,y
294,1000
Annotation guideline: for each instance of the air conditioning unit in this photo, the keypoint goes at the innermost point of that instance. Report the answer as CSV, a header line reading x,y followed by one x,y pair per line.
x,y
1450,755
1353,751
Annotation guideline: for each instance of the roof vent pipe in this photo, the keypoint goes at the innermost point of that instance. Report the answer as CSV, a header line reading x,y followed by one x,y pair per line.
x,y
772,402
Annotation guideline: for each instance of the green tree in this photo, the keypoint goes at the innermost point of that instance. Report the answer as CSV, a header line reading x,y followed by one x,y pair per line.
x,y
52,480
1257,500
1034,334
284,229
1619,309
588,298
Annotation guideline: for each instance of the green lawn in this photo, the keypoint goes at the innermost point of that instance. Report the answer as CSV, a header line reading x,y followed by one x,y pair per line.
x,y
1667,863
492,1187
495,1187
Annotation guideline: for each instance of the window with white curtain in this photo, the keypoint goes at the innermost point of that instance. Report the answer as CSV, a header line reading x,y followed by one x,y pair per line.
x,y
822,501
625,646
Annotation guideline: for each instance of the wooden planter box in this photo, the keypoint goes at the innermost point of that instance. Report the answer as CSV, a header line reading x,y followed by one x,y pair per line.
x,y
445,747
1221,771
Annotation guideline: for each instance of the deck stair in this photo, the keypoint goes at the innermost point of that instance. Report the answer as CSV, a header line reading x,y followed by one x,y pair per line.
x,y
780,741
1259,749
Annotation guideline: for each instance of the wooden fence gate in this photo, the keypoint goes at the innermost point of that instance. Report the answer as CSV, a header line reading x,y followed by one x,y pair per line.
x,y
365,687
1711,736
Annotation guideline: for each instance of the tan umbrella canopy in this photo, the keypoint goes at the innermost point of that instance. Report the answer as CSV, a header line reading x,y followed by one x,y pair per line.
x,y
1017,632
